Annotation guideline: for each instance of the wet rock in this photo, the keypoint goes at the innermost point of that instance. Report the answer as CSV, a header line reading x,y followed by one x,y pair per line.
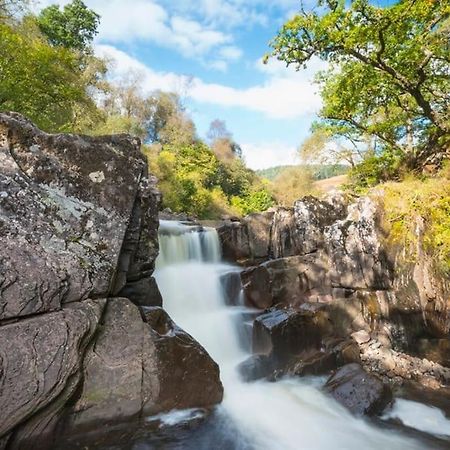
x,y
256,367
187,375
40,368
285,333
359,391
231,287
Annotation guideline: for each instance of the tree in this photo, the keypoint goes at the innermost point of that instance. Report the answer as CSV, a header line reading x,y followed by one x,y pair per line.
x,y
389,71
222,142
168,122
43,82
218,130
320,148
74,27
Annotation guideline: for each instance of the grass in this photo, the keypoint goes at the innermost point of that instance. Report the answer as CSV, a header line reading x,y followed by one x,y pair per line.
x,y
411,199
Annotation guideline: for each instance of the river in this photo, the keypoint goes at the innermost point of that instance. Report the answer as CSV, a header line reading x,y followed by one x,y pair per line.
x,y
290,414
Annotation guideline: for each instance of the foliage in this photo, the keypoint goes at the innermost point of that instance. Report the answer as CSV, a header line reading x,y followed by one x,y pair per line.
x,y
73,27
193,180
389,71
428,199
292,184
45,83
168,122
318,171
319,148
375,169
222,142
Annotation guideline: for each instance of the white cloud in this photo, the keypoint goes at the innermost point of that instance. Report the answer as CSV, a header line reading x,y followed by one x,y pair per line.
x,y
263,156
285,95
147,20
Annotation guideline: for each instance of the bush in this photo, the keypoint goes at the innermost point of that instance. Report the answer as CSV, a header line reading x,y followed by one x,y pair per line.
x,y
374,170
429,199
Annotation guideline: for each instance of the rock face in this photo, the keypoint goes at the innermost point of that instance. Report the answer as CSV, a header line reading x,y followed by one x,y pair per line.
x,y
285,333
359,391
78,227
137,368
337,258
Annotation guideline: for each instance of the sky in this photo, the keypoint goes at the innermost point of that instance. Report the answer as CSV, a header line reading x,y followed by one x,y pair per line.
x,y
210,52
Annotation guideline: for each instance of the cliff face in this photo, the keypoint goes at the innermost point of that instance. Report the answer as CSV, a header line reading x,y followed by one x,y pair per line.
x,y
337,257
78,231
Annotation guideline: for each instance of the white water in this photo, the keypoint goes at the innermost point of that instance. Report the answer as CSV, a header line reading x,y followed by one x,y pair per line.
x,y
290,414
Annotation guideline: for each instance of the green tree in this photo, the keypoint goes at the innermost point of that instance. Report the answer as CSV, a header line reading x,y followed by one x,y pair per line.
x,y
389,76
168,122
74,26
44,83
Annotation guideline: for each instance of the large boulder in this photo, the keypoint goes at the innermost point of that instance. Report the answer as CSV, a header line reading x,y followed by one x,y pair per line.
x,y
357,257
359,391
289,281
78,227
284,333
186,374
138,367
66,203
41,361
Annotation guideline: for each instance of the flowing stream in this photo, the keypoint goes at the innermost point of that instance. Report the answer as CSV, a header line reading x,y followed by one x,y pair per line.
x,y
289,414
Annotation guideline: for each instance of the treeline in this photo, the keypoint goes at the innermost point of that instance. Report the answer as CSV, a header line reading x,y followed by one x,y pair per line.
x,y
49,73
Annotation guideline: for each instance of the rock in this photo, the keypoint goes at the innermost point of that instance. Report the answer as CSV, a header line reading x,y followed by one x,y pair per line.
x,y
79,219
113,368
359,391
361,337
317,363
286,333
357,258
258,230
187,376
65,216
233,238
248,239
231,287
140,368
255,367
257,287
40,367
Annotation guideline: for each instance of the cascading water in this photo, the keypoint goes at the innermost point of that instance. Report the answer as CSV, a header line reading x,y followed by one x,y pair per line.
x,y
289,414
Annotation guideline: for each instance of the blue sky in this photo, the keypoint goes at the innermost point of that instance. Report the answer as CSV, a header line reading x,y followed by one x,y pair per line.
x,y
210,52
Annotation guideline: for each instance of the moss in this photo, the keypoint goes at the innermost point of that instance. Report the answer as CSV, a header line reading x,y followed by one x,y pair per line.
x,y
429,199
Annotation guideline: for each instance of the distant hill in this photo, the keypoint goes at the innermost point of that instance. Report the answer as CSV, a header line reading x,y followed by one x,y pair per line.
x,y
320,172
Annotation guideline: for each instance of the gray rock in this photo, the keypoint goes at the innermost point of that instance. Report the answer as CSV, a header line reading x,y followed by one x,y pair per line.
x,y
286,333
40,364
359,391
63,221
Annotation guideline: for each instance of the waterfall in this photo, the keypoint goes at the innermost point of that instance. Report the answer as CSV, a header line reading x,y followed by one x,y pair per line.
x,y
291,414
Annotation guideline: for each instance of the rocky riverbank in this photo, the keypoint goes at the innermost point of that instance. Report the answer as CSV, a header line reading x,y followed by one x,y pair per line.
x,y
336,288
83,338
